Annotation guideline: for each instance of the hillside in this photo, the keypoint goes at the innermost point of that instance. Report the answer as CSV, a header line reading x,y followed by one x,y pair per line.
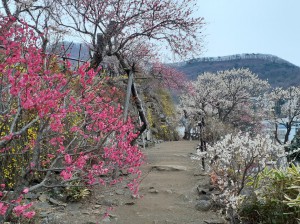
x,y
278,71
72,50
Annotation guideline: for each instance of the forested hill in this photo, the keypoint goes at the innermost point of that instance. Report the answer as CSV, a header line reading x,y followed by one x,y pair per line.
x,y
278,71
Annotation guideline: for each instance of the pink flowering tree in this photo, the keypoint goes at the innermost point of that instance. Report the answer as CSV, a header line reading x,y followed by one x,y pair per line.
x,y
115,27
56,120
168,77
121,34
122,23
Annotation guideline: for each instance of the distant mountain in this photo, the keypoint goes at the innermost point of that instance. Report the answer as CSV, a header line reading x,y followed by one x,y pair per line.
x,y
71,50
278,72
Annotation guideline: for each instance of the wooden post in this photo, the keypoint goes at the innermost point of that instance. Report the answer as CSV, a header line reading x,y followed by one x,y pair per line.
x,y
202,141
131,90
141,111
128,94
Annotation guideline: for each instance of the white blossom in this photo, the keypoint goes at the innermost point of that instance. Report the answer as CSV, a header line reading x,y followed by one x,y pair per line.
x,y
282,107
229,95
236,158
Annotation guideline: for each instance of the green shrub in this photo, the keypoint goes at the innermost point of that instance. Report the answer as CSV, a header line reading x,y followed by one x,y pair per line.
x,y
276,197
75,192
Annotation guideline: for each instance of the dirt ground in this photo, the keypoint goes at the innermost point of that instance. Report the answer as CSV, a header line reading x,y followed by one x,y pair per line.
x,y
168,193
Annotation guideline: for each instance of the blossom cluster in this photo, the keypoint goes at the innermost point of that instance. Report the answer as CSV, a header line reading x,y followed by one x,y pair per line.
x,y
228,95
74,119
282,107
169,77
236,158
19,208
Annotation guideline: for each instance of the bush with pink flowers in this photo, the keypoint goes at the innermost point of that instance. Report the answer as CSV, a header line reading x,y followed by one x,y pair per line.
x,y
55,120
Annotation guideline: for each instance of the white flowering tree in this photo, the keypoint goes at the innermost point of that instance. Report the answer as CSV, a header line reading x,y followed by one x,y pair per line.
x,y
282,107
235,159
230,95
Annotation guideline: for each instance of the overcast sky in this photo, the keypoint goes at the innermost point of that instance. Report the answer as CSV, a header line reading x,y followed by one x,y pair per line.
x,y
251,26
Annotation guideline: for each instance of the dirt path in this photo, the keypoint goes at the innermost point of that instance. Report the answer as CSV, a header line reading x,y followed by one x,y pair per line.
x,y
168,189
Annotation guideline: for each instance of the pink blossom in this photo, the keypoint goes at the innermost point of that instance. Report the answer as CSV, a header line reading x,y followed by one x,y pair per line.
x,y
61,149
81,113
81,161
25,191
18,210
3,208
29,215
66,175
68,159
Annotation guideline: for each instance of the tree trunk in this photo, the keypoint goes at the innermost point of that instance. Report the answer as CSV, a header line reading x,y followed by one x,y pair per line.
x,y
288,131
